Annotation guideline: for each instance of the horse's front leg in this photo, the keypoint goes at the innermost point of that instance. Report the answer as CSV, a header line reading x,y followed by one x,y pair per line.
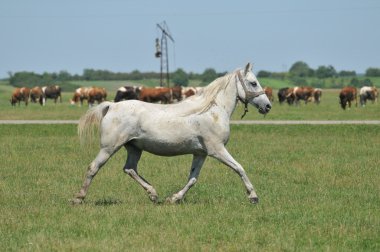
x,y
225,157
194,173
130,168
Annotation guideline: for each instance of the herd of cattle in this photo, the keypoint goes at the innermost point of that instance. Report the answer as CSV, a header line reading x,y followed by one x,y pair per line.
x,y
168,95
36,94
308,94
97,94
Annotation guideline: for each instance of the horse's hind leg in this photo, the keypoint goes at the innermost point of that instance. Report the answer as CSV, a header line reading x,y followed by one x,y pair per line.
x,y
102,157
130,168
194,173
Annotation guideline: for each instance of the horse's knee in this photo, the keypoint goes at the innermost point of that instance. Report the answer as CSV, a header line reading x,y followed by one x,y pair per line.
x,y
92,170
129,171
90,175
192,181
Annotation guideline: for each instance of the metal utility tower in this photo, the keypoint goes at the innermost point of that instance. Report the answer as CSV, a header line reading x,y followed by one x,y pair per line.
x,y
162,52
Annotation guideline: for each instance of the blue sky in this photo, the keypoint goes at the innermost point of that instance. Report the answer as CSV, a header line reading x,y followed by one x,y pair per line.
x,y
119,35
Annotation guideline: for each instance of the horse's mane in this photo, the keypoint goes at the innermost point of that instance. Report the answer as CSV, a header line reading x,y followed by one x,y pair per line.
x,y
206,98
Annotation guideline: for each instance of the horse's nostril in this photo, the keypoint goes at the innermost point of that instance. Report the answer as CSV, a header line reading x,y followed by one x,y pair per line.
x,y
268,106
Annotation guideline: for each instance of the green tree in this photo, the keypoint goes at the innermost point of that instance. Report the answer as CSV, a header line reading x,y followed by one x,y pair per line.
x,y
345,73
179,77
325,72
300,69
25,79
263,74
135,75
209,75
372,72
88,74
48,79
63,76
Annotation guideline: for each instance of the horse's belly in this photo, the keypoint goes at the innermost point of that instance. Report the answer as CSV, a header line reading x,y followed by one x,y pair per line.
x,y
169,148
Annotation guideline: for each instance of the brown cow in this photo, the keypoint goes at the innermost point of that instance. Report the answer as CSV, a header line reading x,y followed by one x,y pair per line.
x,y
188,91
269,93
97,94
289,95
346,95
20,94
303,93
80,94
36,94
158,94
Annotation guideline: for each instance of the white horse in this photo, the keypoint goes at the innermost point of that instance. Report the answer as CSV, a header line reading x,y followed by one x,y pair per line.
x,y
198,125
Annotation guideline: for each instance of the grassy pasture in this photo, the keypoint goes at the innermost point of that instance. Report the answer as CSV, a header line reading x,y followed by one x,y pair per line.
x,y
318,189
329,109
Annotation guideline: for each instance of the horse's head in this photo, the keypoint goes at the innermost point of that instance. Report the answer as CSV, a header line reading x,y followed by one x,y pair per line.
x,y
250,90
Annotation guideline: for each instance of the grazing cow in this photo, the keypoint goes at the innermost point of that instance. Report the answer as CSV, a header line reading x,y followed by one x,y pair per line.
x,y
367,93
286,94
51,92
317,94
282,94
36,94
346,95
20,94
303,93
80,94
188,91
177,93
97,94
127,93
269,93
158,94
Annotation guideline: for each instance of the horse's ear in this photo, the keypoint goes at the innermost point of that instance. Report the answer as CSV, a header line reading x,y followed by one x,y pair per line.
x,y
248,68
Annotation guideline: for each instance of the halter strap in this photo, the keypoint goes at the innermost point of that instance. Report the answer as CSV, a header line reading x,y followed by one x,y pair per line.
x,y
248,94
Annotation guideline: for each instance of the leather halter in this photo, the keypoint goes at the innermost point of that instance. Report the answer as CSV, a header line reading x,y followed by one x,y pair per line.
x,y
248,94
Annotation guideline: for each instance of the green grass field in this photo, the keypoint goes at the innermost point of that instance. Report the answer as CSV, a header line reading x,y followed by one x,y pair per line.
x,y
318,186
318,189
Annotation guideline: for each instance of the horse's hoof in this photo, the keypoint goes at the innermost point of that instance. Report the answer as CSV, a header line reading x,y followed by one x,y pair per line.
x,y
153,198
172,200
76,201
254,200
169,200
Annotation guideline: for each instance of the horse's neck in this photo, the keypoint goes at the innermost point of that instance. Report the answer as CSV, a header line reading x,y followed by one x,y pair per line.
x,y
227,99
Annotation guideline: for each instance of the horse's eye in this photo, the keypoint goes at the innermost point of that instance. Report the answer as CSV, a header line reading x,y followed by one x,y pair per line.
x,y
254,83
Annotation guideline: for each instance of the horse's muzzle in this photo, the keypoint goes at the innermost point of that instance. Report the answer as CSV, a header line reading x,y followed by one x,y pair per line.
x,y
266,109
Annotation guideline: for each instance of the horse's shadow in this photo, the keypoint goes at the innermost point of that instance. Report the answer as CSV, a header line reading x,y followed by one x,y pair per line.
x,y
107,202
111,201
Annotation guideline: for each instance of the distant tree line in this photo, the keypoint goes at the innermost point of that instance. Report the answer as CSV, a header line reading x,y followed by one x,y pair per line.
x,y
301,70
299,73
179,77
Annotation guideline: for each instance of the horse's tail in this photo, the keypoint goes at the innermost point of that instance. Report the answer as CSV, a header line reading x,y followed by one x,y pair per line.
x,y
90,121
